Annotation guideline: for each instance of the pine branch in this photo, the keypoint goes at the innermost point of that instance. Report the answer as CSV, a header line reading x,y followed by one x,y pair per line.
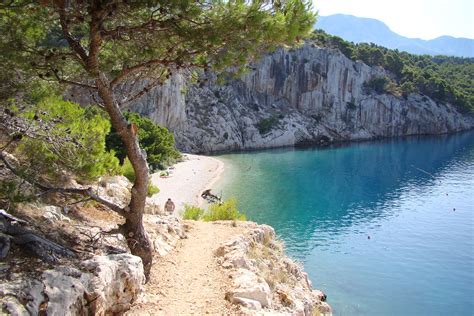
x,y
48,189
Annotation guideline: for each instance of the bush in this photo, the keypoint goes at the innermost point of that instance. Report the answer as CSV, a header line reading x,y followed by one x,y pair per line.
x,y
127,170
192,212
225,211
378,85
266,125
152,189
351,105
157,141
84,155
129,173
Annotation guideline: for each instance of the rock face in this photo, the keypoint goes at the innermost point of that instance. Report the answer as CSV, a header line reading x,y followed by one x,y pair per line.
x,y
264,280
109,286
105,281
310,95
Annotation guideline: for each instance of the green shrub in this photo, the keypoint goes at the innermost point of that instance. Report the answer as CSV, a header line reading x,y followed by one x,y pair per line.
x,y
157,141
152,189
378,85
12,191
266,125
127,171
192,212
225,211
351,105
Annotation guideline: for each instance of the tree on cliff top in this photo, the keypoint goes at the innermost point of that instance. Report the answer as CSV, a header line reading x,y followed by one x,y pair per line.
x,y
104,45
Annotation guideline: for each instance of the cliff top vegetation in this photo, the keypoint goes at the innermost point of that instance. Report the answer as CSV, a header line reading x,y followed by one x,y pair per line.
x,y
443,78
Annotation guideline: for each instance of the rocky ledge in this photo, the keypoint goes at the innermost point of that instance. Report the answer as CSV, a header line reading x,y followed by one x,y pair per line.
x,y
264,280
102,278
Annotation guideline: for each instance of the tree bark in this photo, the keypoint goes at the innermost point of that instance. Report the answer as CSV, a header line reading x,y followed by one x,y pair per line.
x,y
133,230
12,228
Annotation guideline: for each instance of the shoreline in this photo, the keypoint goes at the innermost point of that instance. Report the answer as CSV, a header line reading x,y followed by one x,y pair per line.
x,y
187,180
330,145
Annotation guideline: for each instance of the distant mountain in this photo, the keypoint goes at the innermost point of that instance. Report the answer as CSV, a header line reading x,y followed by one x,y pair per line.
x,y
367,30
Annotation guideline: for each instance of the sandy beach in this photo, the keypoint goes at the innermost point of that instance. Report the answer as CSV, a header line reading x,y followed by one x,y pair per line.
x,y
187,181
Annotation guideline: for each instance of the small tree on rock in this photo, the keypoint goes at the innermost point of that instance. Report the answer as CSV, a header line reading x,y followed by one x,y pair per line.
x,y
102,45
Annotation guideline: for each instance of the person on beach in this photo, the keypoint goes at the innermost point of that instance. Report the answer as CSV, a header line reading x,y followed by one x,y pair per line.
x,y
169,206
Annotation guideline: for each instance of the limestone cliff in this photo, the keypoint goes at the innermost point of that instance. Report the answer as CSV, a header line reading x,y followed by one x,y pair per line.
x,y
309,95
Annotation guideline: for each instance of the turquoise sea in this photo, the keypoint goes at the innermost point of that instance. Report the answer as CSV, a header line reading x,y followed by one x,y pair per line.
x,y
383,227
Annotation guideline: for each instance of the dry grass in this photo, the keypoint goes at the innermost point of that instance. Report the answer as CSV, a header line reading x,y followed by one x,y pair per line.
x,y
268,257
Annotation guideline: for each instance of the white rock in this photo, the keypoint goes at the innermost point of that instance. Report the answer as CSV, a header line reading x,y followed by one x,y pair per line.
x,y
308,90
65,288
53,213
116,189
248,285
111,284
248,303
117,282
21,296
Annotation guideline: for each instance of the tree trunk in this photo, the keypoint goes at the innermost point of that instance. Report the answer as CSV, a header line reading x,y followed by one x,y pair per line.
x,y
133,229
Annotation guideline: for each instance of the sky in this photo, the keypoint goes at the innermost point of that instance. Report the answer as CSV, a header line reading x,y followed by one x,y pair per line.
x,y
426,19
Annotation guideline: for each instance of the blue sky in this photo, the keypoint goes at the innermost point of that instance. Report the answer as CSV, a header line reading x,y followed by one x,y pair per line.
x,y
424,19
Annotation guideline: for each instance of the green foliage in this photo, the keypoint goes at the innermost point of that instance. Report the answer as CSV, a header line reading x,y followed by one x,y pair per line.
x,y
157,141
152,189
12,191
351,105
127,170
84,154
192,212
211,33
378,85
442,78
264,126
225,211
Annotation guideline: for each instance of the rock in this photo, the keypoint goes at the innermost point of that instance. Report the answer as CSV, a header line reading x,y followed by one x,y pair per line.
x,y
247,285
117,281
53,214
164,232
116,189
248,303
263,234
153,208
64,289
108,285
4,245
268,278
311,96
21,296
234,253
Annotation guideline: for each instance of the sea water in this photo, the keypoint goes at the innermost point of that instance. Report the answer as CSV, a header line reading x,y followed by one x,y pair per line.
x,y
383,227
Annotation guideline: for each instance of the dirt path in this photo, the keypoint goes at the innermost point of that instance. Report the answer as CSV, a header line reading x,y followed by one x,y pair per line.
x,y
188,280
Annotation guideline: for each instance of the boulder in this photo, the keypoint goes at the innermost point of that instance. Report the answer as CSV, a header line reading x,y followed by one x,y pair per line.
x,y
103,285
247,285
116,189
64,290
264,280
117,282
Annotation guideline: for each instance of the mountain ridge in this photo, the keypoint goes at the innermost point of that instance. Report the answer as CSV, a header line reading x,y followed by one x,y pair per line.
x,y
359,30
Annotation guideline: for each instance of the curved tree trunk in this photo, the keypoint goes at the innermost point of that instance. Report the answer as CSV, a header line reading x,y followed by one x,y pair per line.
x,y
133,229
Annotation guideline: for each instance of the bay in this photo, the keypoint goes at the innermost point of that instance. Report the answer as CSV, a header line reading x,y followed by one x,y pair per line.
x,y
383,227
